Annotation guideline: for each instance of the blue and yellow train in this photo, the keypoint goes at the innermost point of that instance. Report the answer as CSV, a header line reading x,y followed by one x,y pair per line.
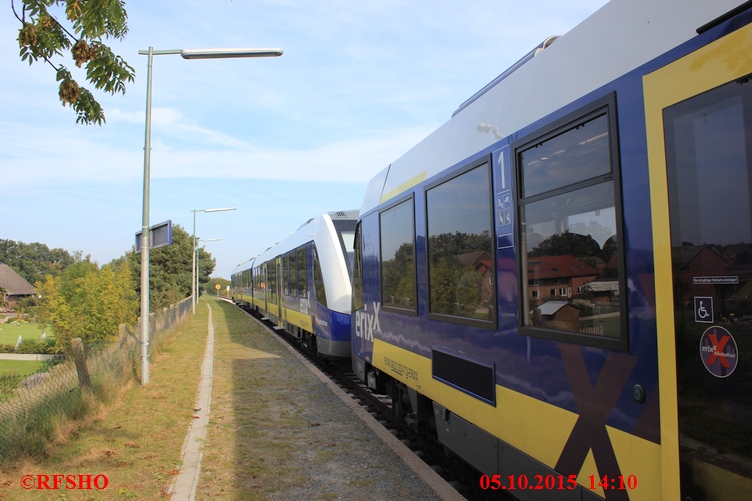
x,y
557,283
302,284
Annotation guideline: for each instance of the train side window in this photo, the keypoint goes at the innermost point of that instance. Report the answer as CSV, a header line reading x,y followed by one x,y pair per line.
x,y
397,226
292,278
572,277
285,275
318,280
357,281
460,249
271,275
302,270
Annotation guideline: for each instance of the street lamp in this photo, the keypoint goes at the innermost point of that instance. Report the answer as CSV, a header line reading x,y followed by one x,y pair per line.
x,y
145,240
194,300
196,282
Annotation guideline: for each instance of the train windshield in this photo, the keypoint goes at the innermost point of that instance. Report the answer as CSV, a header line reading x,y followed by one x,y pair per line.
x,y
346,232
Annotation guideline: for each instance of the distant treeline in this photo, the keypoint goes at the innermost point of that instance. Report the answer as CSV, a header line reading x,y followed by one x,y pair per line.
x,y
35,260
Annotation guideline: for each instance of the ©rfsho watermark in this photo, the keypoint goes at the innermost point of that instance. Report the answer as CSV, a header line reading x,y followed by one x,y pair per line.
x,y
58,481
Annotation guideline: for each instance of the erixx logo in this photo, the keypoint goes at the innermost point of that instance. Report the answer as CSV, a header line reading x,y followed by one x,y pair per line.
x,y
718,351
367,323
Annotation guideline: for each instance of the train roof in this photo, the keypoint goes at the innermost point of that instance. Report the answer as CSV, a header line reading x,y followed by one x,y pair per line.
x,y
305,233
621,36
245,265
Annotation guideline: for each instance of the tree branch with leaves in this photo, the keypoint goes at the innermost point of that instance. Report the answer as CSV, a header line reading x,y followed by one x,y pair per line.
x,y
43,37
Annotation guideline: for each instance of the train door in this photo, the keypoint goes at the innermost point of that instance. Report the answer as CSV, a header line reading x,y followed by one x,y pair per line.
x,y
699,124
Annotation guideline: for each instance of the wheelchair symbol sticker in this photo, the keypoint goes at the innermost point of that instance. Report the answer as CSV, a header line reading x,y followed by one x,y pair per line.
x,y
704,310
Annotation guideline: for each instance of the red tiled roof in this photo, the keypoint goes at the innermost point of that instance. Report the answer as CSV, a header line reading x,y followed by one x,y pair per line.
x,y
544,267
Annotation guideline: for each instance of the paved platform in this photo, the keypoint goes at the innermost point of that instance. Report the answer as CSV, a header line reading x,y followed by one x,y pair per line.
x,y
380,463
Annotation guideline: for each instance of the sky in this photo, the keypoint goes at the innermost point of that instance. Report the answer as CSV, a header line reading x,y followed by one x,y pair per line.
x,y
280,139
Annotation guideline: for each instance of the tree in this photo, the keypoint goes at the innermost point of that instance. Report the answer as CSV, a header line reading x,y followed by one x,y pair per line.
x,y
87,301
574,244
398,282
444,274
43,36
35,260
170,271
455,288
210,286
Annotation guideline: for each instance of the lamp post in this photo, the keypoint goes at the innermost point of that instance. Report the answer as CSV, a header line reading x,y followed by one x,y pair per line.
x,y
145,237
194,300
197,264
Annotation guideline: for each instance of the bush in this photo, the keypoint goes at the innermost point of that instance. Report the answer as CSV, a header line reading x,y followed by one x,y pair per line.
x,y
37,347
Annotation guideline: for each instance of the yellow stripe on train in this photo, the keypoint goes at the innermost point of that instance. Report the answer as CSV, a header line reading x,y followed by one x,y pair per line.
x,y
536,428
298,319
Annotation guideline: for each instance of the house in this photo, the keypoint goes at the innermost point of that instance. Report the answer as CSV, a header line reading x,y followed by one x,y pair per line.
x,y
557,315
691,261
558,276
14,286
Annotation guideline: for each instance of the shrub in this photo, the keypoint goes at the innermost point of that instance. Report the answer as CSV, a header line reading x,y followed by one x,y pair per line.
x,y
38,347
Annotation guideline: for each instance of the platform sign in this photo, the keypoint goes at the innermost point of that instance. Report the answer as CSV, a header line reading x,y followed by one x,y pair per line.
x,y
160,235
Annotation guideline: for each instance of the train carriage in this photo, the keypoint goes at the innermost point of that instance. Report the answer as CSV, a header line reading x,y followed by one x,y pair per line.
x,y
558,281
302,284
241,285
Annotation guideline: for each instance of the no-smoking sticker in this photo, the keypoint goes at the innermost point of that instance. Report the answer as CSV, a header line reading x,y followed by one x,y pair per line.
x,y
718,351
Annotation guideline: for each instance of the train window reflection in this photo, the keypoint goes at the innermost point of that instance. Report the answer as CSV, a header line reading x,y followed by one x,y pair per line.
x,y
572,262
302,289
292,273
709,176
575,155
318,280
460,249
357,279
271,275
572,281
398,258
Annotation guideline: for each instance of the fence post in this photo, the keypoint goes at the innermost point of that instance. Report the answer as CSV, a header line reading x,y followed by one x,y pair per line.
x,y
80,358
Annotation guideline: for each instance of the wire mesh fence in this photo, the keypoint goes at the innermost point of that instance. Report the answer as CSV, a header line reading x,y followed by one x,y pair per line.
x,y
32,407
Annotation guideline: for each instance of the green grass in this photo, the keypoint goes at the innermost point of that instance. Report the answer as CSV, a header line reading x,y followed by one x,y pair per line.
x,y
136,438
9,333
19,367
